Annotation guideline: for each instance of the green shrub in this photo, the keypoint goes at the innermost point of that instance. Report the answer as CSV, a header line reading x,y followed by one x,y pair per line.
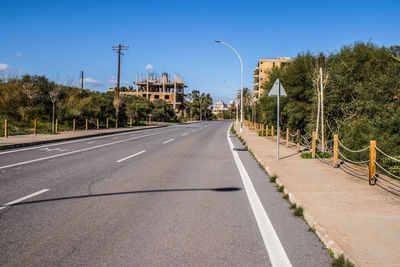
x,y
298,212
281,188
272,178
293,206
341,261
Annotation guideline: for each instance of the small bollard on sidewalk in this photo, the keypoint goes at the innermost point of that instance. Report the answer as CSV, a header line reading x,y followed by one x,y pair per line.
x,y
73,125
86,124
97,122
56,128
107,123
272,132
35,127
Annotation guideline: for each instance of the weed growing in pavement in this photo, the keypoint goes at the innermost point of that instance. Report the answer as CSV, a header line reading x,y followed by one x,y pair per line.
x,y
312,230
281,188
293,206
341,261
272,178
285,196
331,252
298,212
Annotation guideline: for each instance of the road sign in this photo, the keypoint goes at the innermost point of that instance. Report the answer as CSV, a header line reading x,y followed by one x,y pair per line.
x,y
275,89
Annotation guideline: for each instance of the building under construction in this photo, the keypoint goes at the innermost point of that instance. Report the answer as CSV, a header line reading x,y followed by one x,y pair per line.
x,y
153,88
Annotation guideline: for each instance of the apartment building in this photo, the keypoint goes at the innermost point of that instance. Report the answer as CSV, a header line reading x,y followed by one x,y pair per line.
x,y
260,73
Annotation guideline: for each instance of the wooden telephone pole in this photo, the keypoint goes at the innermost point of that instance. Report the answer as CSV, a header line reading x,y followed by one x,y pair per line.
x,y
82,79
118,48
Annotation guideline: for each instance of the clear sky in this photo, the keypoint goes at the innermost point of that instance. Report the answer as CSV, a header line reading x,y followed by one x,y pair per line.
x,y
60,38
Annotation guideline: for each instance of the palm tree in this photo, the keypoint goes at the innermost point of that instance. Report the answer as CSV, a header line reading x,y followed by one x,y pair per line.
x,y
247,99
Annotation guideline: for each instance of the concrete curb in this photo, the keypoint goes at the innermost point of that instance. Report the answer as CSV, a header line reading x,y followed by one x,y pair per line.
x,y
311,221
5,147
328,241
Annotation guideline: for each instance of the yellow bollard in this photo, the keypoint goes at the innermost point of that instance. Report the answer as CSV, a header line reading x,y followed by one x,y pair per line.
x,y
86,125
262,130
107,124
35,127
335,151
97,122
298,140
266,130
372,165
73,125
314,144
56,126
287,136
272,132
130,122
5,129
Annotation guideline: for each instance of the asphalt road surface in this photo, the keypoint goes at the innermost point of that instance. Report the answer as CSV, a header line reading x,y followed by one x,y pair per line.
x,y
183,195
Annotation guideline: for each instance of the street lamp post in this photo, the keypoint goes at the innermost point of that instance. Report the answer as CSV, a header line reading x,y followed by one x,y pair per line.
x,y
241,93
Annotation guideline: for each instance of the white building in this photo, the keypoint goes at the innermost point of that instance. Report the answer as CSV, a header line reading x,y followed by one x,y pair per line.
x,y
220,106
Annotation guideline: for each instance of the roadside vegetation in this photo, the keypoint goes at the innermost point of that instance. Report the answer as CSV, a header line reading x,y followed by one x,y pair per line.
x,y
26,98
361,96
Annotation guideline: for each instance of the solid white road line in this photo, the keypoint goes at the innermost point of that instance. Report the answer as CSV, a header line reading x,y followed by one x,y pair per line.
x,y
77,151
169,140
131,156
276,252
23,198
185,134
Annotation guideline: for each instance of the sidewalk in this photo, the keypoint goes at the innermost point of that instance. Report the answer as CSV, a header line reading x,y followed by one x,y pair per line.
x,y
30,140
350,216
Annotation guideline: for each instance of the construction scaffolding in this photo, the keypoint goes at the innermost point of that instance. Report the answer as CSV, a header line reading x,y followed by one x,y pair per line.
x,y
153,88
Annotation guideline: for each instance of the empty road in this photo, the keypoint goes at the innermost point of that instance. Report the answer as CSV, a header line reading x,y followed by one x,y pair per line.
x,y
184,195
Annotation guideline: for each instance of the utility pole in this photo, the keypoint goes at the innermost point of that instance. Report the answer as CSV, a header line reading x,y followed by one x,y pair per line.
x,y
118,48
322,111
200,107
82,79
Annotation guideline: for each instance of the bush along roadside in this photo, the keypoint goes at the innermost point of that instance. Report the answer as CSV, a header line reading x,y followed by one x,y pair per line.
x,y
298,211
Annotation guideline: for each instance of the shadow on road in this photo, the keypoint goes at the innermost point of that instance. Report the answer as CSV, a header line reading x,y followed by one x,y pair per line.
x,y
218,189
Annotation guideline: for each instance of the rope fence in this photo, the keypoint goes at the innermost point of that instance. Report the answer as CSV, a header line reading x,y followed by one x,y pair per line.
x,y
363,163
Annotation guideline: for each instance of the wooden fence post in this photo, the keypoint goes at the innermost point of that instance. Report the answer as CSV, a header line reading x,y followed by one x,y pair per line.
x,y
314,144
372,165
5,129
73,125
298,140
266,130
35,127
287,136
107,123
335,151
86,125
97,122
272,132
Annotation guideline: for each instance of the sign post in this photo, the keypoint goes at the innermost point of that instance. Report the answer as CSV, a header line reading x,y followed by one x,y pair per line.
x,y
277,90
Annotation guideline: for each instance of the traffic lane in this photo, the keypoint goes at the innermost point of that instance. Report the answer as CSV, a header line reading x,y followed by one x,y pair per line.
x,y
301,246
26,154
22,180
204,227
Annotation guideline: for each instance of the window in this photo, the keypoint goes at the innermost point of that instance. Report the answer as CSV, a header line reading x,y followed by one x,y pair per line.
x,y
156,96
144,95
166,97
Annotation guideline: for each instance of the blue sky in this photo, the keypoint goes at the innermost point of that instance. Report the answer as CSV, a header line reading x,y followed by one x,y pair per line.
x,y
60,38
